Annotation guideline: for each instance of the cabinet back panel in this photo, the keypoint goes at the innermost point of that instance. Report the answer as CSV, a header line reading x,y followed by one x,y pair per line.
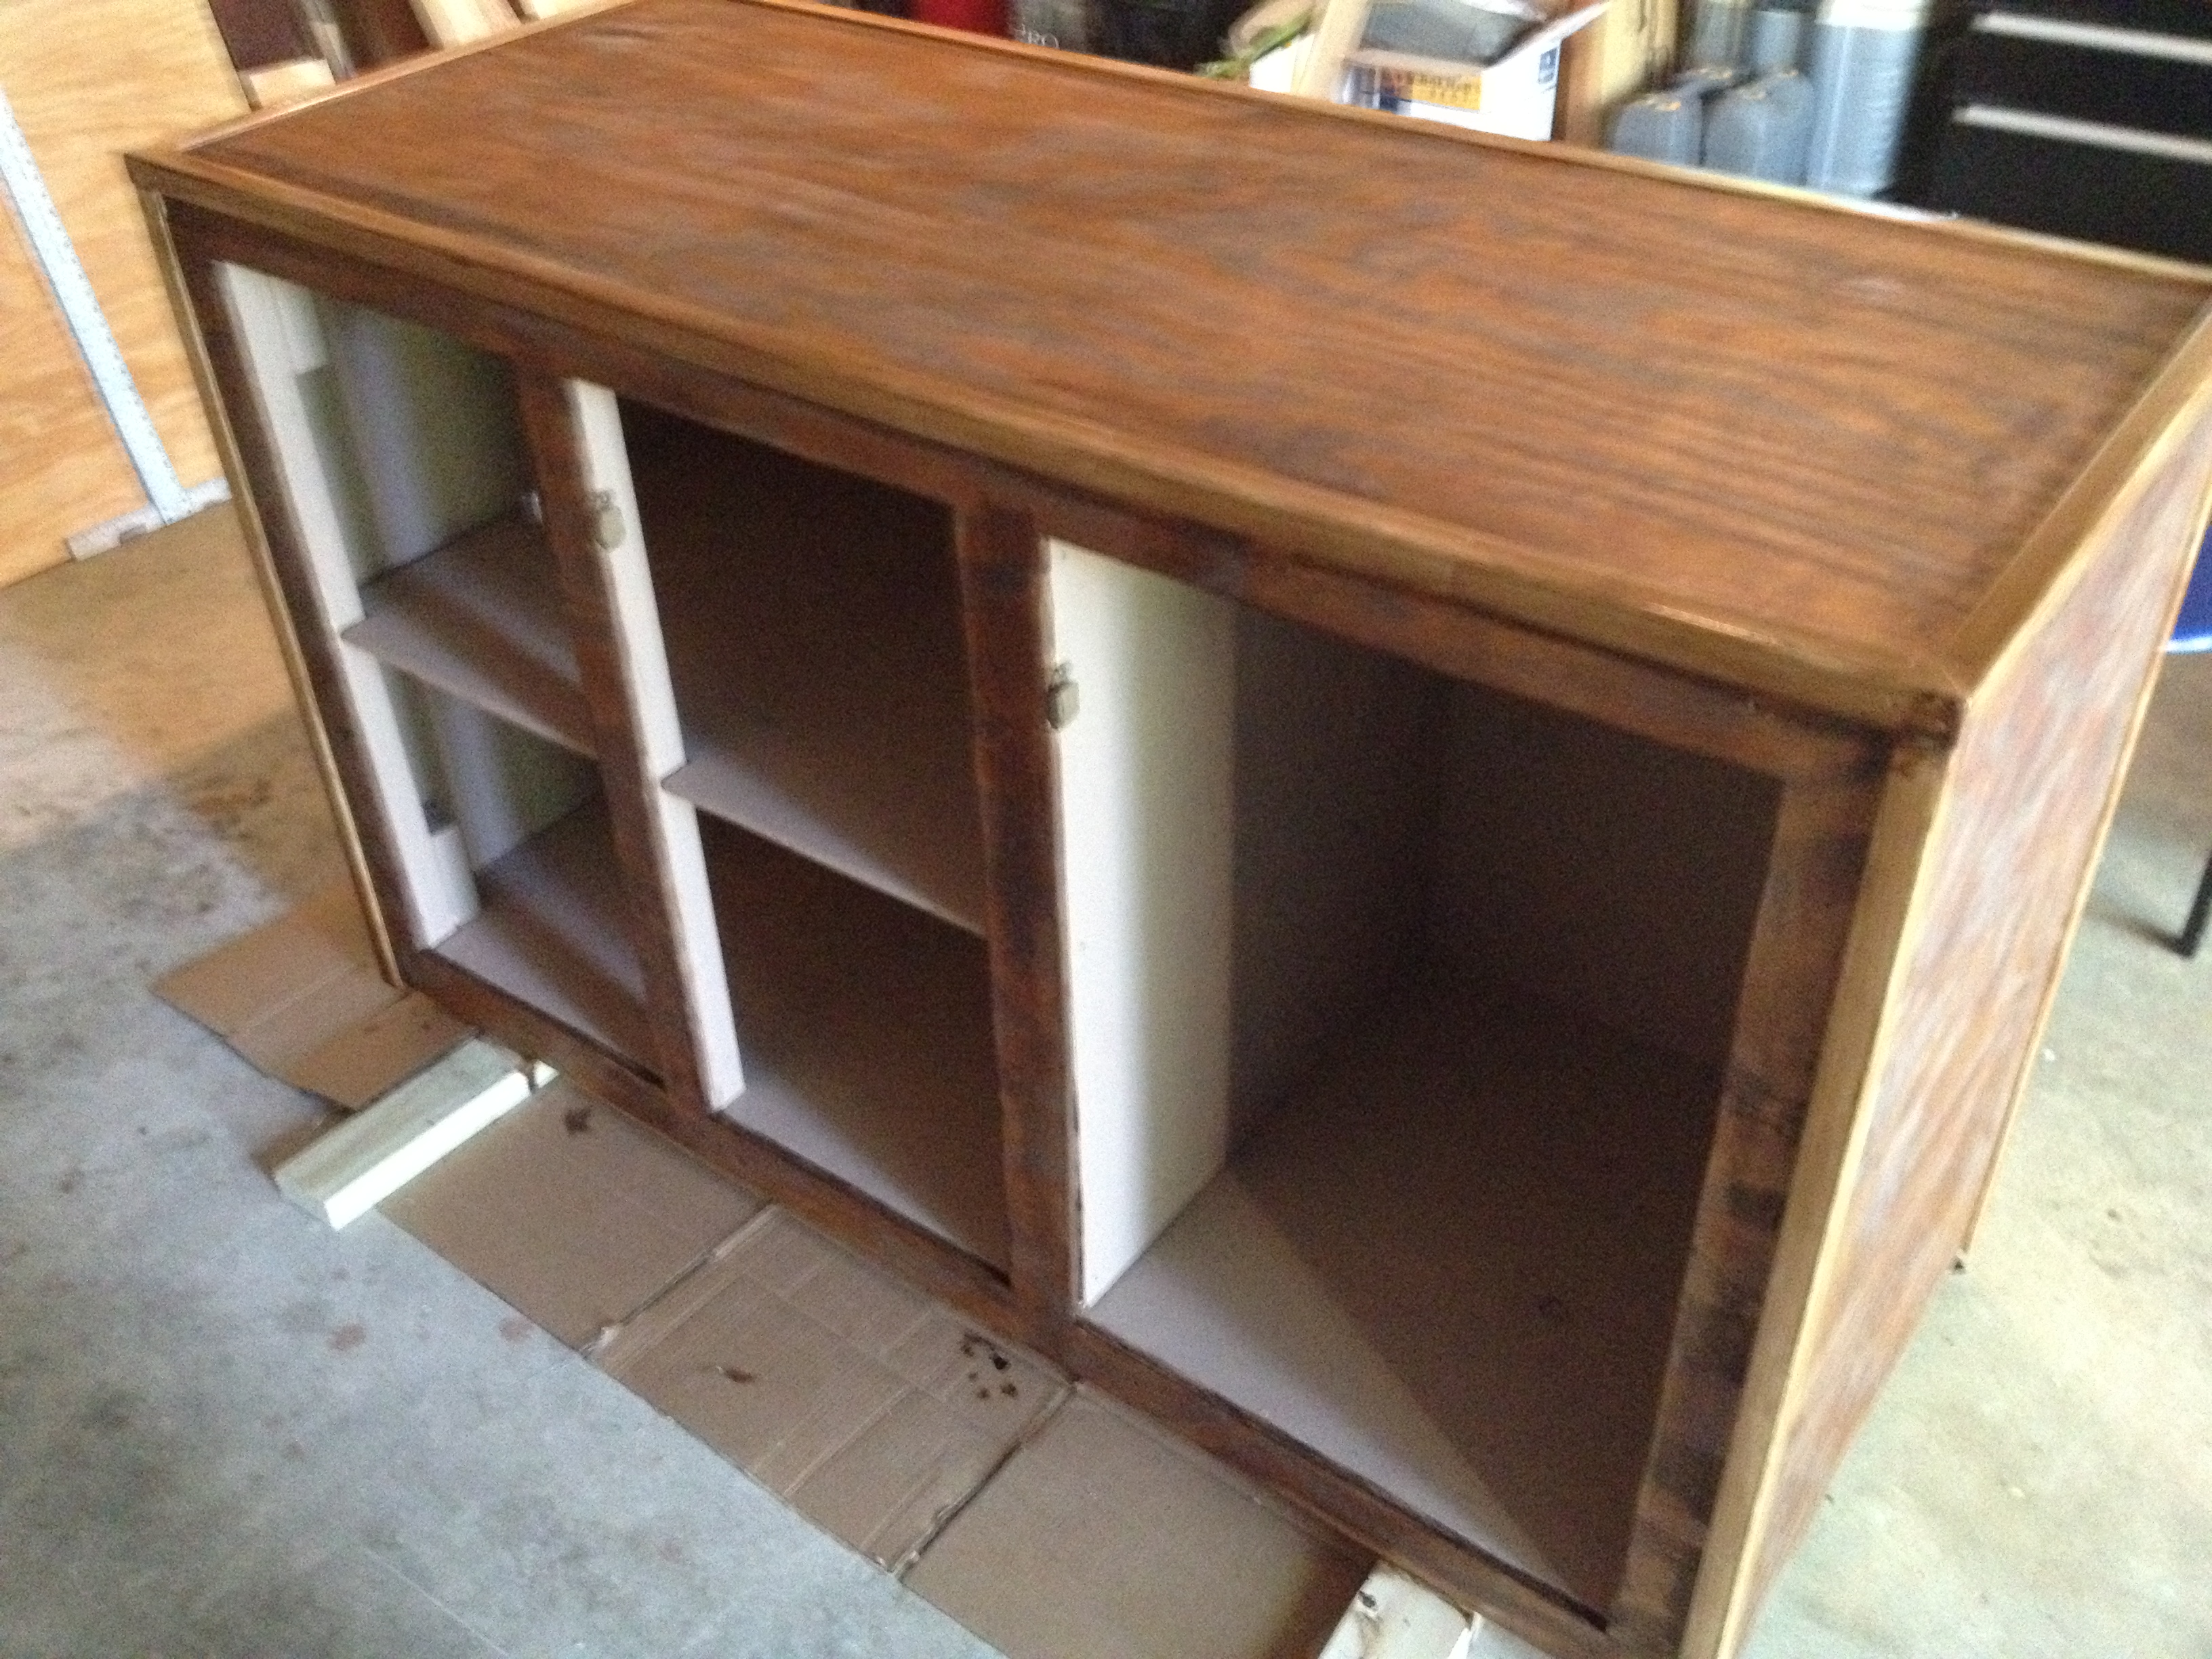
x,y
497,782
1335,799
1596,868
433,427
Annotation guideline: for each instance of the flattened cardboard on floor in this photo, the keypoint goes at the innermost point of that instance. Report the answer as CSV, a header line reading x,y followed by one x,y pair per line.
x,y
1052,1524
1104,1539
875,1412
571,1212
302,999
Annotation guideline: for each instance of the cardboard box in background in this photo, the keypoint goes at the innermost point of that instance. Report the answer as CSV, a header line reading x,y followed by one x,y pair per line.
x,y
1514,96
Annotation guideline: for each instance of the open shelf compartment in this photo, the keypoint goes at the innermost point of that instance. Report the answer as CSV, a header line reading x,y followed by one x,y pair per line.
x,y
407,478
481,617
1400,1150
406,466
813,629
865,1028
531,887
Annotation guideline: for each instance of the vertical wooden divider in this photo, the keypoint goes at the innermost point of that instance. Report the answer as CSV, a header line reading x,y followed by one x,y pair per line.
x,y
572,529
1821,835
1003,596
287,584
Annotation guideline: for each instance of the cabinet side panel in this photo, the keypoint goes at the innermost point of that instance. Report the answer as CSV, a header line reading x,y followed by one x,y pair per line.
x,y
1146,779
1821,829
2035,776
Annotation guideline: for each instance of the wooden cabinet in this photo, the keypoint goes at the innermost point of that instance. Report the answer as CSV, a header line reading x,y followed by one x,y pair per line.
x,y
1413,799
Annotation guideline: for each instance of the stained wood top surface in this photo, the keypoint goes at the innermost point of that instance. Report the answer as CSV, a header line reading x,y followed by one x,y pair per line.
x,y
1793,448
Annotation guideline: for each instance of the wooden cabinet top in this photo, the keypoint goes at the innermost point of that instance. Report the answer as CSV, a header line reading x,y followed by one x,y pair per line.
x,y
1827,455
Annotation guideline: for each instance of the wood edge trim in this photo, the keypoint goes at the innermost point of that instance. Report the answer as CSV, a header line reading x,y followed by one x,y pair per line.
x,y
1001,558
1893,910
1100,1360
1887,689
2018,1094
1817,811
178,289
2039,579
557,466
1801,744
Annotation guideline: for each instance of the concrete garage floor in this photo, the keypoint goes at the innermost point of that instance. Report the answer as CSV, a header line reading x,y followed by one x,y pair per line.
x,y
224,1431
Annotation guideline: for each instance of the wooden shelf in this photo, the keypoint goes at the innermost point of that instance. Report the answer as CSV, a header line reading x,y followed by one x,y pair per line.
x,y
1450,1264
553,932
814,635
482,618
866,1029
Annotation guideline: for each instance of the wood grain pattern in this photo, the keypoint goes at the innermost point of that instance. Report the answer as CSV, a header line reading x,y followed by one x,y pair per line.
x,y
2027,797
66,469
1002,576
1667,384
570,517
88,82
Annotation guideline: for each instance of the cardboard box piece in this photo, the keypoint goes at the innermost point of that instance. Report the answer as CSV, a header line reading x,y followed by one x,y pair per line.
x,y
1149,1548
572,1213
872,1410
303,1001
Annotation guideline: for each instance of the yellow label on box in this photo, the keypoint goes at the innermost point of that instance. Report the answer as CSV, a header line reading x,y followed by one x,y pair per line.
x,y
1452,91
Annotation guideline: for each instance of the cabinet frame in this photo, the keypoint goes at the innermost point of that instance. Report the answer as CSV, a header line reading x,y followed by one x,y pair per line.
x,y
1868,925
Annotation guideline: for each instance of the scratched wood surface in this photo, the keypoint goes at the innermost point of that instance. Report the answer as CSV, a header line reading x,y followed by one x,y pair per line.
x,y
1784,446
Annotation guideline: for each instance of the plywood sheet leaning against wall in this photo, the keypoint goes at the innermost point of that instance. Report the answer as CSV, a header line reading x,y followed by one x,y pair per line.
x,y
65,465
87,81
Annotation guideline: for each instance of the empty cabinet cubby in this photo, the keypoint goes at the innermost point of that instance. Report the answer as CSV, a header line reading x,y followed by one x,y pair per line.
x,y
407,475
812,619
1399,1011
813,636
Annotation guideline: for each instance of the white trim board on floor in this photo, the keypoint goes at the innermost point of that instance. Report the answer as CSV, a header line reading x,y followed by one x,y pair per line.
x,y
371,1155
